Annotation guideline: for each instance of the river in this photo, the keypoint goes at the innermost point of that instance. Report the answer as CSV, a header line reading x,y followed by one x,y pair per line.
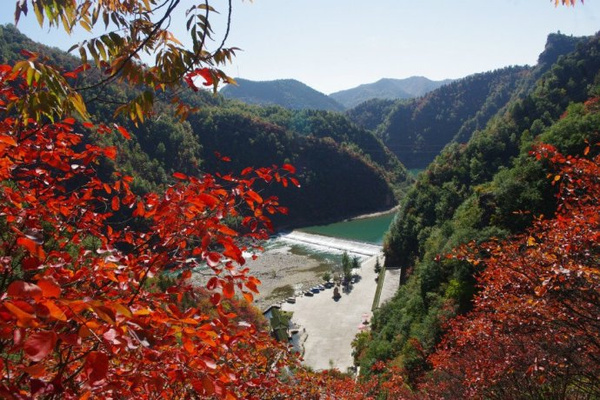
x,y
367,229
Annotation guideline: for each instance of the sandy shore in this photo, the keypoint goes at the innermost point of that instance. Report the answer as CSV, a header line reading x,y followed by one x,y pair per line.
x,y
283,274
287,271
284,271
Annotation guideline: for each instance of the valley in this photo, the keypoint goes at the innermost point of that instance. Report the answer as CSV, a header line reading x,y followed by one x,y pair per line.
x,y
147,222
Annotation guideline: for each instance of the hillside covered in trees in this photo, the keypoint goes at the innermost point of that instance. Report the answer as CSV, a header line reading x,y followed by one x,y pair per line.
x,y
493,187
417,130
287,93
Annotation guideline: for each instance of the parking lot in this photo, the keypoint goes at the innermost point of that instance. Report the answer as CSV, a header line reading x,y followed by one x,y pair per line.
x,y
328,326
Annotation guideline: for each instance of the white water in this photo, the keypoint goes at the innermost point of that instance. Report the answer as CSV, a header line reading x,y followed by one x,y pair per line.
x,y
326,243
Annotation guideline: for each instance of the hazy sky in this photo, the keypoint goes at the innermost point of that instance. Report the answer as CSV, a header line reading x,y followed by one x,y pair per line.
x,y
338,44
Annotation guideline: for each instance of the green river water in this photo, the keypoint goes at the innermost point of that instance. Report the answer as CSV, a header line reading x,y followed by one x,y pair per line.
x,y
370,229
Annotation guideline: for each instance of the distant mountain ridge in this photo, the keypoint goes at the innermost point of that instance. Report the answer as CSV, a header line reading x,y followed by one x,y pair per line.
x,y
388,89
295,95
288,93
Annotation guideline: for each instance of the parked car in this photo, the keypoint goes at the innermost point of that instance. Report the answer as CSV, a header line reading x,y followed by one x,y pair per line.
x,y
315,289
309,293
291,300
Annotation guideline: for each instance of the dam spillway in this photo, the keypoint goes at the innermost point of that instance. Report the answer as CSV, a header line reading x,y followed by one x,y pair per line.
x,y
326,243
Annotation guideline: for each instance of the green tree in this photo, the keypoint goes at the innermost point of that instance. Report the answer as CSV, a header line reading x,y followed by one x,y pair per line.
x,y
377,266
346,268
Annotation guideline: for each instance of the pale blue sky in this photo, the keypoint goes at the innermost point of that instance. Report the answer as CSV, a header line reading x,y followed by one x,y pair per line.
x,y
338,44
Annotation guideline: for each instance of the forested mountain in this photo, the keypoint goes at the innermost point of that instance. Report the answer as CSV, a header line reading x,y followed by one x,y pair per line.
x,y
490,187
387,89
416,130
288,93
344,170
329,167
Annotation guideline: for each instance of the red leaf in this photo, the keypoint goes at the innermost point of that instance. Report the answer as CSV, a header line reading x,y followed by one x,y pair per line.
x,y
96,366
115,203
252,286
215,298
179,175
110,152
24,319
8,140
86,395
221,157
209,362
124,132
140,210
212,283
39,345
55,311
289,167
187,274
28,53
34,248
49,287
227,231
207,199
202,72
24,289
228,289
248,296
208,385
213,258
254,196
188,345
207,75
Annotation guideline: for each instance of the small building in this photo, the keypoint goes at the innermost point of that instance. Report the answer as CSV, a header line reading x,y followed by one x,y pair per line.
x,y
279,324
268,312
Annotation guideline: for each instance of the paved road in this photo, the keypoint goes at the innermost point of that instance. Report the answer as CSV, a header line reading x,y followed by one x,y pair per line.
x,y
330,326
390,285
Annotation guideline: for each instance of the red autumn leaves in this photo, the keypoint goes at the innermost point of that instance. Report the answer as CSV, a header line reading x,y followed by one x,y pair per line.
x,y
534,327
84,311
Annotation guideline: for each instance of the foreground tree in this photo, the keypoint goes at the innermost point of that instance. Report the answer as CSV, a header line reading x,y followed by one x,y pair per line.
x,y
80,313
534,332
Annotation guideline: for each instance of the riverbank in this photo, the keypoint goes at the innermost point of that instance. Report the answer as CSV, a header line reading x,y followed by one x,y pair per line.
x,y
375,214
282,228
297,261
283,274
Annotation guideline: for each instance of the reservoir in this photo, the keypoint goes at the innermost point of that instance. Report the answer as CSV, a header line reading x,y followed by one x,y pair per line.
x,y
368,229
